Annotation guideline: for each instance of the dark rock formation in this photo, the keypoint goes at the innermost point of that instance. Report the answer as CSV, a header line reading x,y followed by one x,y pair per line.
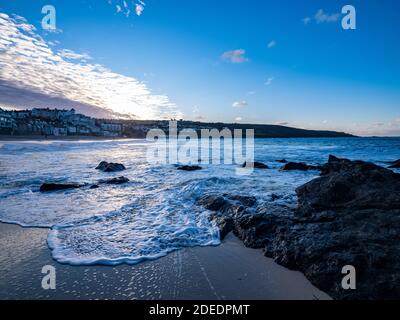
x,y
256,165
350,215
119,180
282,161
110,167
189,168
46,187
298,166
395,164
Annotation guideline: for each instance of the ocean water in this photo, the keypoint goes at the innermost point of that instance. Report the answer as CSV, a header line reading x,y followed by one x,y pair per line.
x,y
156,212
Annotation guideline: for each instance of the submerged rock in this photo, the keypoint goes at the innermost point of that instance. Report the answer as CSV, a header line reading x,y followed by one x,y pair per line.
x,y
256,165
189,168
298,166
110,167
350,215
46,187
119,180
282,161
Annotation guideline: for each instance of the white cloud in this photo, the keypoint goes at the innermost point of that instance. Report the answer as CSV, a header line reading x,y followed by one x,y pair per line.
x,y
238,119
139,8
69,54
240,104
283,123
251,93
321,17
235,56
271,44
124,7
29,65
269,81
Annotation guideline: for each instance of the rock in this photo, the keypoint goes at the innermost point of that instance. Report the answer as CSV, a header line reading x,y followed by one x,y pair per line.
x,y
256,165
298,166
282,161
110,167
395,164
46,187
350,215
95,186
119,180
189,168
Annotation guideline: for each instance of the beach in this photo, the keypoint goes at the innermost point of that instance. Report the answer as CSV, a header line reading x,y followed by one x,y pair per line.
x,y
229,271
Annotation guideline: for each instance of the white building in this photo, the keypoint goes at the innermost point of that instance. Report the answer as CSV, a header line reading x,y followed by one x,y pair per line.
x,y
7,123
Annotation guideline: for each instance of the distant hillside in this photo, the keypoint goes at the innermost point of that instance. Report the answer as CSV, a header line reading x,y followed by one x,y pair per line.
x,y
260,130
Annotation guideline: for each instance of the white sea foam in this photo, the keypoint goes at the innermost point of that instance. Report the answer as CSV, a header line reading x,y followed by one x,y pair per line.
x,y
156,212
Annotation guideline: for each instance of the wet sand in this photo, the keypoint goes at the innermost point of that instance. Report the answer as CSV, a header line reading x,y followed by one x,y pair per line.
x,y
229,271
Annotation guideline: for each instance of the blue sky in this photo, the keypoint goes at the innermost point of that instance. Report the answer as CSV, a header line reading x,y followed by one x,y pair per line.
x,y
234,61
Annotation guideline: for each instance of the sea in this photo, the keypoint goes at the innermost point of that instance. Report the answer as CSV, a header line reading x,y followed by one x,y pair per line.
x,y
156,212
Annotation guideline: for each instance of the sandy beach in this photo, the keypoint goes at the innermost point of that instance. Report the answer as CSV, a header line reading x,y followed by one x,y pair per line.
x,y
229,271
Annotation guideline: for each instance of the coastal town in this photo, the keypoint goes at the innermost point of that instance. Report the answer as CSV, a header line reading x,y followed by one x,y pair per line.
x,y
55,122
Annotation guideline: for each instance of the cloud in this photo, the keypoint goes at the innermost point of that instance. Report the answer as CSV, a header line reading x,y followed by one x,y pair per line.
x,y
269,81
251,93
235,56
282,123
69,54
33,75
321,17
240,104
238,119
123,6
139,8
271,44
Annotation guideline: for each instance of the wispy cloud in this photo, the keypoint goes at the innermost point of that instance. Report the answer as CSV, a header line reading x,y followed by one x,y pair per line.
x,y
306,20
124,7
69,54
32,74
240,104
271,44
235,56
269,81
322,17
238,119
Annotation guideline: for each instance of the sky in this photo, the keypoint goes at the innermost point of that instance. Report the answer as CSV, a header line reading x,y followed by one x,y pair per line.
x,y
274,61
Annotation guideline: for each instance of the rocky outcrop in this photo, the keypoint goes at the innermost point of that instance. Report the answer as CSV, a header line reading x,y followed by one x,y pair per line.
x,y
298,166
110,167
394,164
47,187
282,161
189,168
256,165
350,215
119,180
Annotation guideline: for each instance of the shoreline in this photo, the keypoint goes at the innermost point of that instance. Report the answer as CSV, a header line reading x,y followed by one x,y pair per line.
x,y
62,138
229,271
